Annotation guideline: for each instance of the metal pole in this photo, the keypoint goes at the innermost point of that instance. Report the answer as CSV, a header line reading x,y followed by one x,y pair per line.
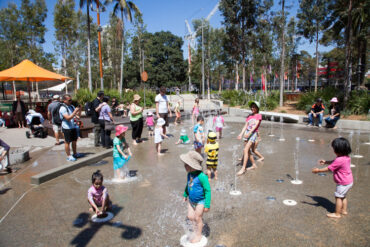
x,y
99,43
202,64
141,79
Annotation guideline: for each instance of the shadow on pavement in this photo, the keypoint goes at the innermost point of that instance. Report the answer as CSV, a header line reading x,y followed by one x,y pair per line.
x,y
321,202
4,191
84,237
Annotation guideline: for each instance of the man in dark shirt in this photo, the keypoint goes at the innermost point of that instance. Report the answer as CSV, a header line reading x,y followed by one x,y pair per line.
x,y
4,157
95,117
317,111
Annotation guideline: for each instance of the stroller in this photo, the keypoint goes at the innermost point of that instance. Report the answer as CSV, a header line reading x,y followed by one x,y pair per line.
x,y
36,128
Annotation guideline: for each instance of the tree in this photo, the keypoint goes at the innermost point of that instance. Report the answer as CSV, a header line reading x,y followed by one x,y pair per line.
x,y
65,29
311,16
240,18
281,25
126,7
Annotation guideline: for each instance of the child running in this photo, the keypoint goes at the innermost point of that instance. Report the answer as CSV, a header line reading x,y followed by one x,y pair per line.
x,y
159,136
150,123
97,195
218,122
211,149
119,157
342,174
249,133
177,113
199,135
184,139
197,192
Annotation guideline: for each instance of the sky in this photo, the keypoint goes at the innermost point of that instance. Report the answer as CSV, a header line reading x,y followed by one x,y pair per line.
x,y
164,15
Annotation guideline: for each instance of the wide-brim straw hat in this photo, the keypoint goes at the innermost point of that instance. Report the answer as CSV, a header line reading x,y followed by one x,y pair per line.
x,y
334,100
161,121
120,129
254,102
193,159
137,97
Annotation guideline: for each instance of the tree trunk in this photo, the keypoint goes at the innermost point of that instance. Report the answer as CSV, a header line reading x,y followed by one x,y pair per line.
x,y
209,72
317,55
122,48
281,101
348,65
243,65
363,59
88,49
236,76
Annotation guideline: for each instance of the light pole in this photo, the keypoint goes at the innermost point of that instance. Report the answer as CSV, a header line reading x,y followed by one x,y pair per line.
x,y
202,62
99,8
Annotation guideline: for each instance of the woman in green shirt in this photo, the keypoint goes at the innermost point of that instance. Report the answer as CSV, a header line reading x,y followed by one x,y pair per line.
x,y
136,119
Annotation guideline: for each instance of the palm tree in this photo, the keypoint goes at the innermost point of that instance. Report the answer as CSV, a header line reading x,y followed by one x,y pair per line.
x,y
125,7
82,3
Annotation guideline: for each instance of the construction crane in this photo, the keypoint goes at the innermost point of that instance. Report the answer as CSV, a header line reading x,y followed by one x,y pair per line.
x,y
191,43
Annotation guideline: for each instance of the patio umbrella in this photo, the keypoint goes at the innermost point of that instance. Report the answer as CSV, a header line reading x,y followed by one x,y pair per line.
x,y
28,71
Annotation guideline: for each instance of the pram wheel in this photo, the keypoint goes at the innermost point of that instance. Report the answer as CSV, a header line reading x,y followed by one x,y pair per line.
x,y
28,134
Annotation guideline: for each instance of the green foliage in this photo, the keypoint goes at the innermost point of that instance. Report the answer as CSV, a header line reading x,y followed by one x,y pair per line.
x,y
308,99
240,98
359,102
83,95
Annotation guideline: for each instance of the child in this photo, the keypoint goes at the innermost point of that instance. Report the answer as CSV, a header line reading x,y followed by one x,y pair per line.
x,y
158,135
211,149
197,190
119,157
177,112
249,134
199,135
184,139
342,174
97,195
150,123
195,113
218,121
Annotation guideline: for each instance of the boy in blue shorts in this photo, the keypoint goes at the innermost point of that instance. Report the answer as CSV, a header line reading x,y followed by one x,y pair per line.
x,y
199,138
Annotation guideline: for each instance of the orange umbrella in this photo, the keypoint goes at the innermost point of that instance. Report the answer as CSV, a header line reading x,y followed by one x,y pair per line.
x,y
28,71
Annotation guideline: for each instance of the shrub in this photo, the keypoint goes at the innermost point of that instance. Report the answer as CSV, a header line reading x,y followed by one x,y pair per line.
x,y
358,102
83,95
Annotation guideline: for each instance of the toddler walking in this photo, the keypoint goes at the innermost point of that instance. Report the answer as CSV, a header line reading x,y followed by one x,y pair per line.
x,y
119,157
150,123
211,149
218,122
158,135
199,138
197,192
342,174
97,195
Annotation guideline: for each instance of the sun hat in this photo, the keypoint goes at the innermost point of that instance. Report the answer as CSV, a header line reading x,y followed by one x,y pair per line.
x,y
161,121
56,96
334,100
192,159
137,97
254,102
120,129
212,136
183,132
150,113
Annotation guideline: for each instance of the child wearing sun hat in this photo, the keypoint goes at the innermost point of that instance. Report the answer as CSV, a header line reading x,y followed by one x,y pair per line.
x,y
158,135
197,192
121,152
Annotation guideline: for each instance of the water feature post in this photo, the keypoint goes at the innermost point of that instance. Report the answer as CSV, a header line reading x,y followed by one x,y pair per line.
x,y
281,130
296,162
271,132
234,191
357,152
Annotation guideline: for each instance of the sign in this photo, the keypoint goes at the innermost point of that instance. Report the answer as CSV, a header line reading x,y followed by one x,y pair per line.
x,y
144,76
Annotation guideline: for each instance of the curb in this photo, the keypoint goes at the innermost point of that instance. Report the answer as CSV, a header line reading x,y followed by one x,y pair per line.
x,y
69,167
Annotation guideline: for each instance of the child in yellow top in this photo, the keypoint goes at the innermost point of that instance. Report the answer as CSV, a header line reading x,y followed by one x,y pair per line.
x,y
211,149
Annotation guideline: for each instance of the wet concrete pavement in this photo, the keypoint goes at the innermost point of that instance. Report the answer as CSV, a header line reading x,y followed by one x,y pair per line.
x,y
149,210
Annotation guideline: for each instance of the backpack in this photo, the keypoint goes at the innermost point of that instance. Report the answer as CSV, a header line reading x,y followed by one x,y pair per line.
x,y
89,109
56,116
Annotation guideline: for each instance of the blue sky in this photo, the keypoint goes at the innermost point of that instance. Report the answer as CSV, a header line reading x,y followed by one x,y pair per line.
x,y
166,15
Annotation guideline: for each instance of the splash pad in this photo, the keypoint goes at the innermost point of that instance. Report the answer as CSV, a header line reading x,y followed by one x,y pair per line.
x,y
185,242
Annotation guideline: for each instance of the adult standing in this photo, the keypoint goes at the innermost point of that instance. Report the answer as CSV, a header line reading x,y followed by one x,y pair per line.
x,y
95,117
105,121
317,111
136,119
19,110
163,107
334,113
67,113
4,157
52,111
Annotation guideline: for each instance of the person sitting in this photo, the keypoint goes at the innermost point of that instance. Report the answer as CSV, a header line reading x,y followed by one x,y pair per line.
x,y
334,114
317,111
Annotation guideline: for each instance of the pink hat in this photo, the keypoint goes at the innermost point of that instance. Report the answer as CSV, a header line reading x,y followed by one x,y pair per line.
x,y
120,129
334,100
